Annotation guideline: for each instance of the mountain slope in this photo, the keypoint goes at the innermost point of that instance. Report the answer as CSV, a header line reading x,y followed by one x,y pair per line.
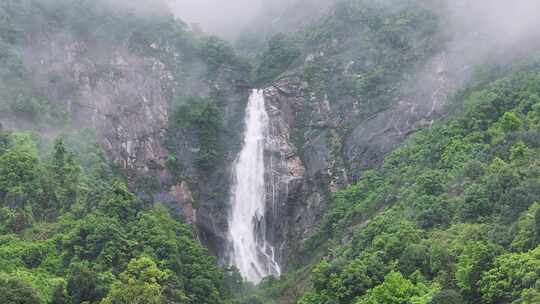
x,y
124,70
106,75
443,218
449,218
352,84
75,234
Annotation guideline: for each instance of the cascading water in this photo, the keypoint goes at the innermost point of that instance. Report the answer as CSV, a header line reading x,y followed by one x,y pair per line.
x,y
250,251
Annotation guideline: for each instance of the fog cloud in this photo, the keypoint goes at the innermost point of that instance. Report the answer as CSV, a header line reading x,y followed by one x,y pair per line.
x,y
500,21
222,17
489,31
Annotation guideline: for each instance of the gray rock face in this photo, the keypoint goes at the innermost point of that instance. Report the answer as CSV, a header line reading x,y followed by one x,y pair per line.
x,y
298,173
311,156
124,97
317,145
285,172
375,137
127,97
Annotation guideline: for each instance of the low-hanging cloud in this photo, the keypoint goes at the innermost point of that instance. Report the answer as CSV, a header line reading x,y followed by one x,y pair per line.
x,y
501,21
229,18
492,26
222,17
500,17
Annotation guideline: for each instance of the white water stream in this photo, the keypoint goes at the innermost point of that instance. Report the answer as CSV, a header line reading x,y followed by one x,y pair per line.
x,y
250,251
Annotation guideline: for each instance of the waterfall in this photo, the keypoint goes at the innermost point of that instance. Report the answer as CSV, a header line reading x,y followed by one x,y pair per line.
x,y
249,249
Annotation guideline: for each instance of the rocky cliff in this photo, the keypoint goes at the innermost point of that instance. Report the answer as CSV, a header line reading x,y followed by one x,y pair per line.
x,y
364,78
310,157
341,106
167,104
123,72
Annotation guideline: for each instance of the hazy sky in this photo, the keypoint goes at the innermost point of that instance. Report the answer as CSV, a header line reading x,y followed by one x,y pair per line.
x,y
217,16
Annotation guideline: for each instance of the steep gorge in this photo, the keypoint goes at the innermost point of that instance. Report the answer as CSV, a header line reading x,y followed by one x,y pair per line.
x,y
327,123
169,107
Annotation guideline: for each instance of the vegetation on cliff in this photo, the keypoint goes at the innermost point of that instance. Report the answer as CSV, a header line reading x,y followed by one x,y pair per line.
x,y
452,217
104,33
74,233
70,229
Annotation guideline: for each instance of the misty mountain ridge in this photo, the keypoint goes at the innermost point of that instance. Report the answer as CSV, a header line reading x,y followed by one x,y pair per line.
x,y
254,152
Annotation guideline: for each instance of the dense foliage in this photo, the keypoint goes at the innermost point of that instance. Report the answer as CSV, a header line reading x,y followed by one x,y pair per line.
x,y
202,118
356,60
362,49
70,229
279,56
452,217
75,234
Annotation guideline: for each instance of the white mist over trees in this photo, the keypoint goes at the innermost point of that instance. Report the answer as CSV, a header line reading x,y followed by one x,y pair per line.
x,y
498,25
230,18
506,21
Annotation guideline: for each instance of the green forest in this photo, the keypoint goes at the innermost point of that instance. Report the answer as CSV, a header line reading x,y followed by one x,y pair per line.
x,y
73,233
70,229
452,216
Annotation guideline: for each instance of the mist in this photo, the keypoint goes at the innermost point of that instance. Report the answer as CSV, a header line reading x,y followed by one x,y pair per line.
x,y
222,17
487,32
497,21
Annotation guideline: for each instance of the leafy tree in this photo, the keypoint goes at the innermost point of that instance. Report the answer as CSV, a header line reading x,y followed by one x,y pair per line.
x,y
216,52
97,238
358,277
83,285
21,184
59,159
537,225
448,297
530,296
279,55
64,180
15,291
526,237
431,211
203,118
414,258
511,277
510,122
141,283
60,295
121,204
397,290
474,170
476,258
431,183
19,176
475,203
